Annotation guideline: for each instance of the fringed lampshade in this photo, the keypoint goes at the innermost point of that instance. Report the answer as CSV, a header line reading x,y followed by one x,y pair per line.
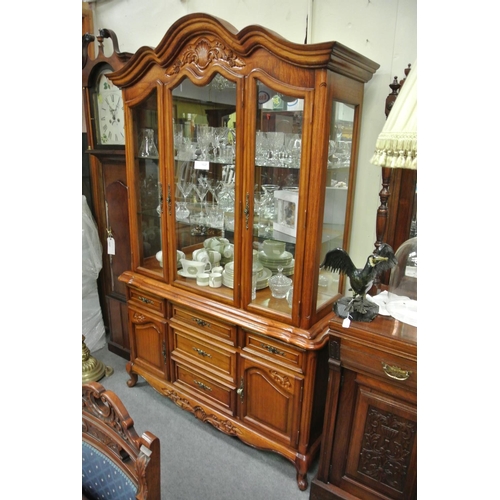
x,y
396,146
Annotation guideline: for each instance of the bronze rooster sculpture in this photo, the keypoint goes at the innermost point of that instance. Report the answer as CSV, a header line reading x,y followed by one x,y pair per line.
x,y
361,280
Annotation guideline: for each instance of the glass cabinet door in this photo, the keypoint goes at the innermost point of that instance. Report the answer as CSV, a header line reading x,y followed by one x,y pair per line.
x,y
337,185
204,139
278,142
148,185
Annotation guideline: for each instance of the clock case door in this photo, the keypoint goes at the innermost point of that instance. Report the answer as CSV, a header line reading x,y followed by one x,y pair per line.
x,y
109,192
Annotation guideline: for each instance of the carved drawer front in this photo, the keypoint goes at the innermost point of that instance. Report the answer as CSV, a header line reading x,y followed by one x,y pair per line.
x,y
216,358
215,328
389,367
213,392
277,351
147,301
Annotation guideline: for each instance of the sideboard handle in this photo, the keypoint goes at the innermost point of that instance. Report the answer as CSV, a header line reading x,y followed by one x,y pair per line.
x,y
202,353
395,372
201,385
272,349
200,322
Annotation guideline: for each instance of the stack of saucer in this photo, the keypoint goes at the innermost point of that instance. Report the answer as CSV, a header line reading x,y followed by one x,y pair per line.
x,y
263,275
228,275
263,278
285,260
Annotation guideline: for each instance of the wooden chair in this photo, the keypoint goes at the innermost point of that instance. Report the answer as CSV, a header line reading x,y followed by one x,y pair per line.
x,y
117,462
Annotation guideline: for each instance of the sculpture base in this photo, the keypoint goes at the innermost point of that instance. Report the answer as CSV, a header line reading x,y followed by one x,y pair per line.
x,y
92,369
348,306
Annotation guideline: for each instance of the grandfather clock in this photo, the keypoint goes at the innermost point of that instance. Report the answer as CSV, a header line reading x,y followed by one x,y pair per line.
x,y
103,109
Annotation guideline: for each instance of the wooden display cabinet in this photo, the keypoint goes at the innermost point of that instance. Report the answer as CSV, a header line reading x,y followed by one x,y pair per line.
x,y
369,444
220,124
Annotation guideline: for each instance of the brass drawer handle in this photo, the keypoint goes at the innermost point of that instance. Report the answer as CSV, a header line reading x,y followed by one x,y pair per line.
x,y
202,353
272,349
201,385
145,300
395,372
200,322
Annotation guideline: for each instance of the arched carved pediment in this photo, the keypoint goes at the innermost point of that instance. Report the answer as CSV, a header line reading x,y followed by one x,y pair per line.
x,y
203,53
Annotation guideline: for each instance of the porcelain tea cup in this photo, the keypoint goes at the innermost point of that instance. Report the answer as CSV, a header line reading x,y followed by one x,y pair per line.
x,y
202,279
159,258
217,269
214,257
215,280
193,267
201,255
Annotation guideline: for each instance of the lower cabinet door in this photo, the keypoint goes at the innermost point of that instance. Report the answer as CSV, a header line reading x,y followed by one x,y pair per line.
x,y
270,399
381,452
148,341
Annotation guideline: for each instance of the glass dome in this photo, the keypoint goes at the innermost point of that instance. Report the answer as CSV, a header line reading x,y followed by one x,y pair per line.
x,y
402,293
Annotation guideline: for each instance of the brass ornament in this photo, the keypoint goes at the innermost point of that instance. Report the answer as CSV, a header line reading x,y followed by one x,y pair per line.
x,y
92,369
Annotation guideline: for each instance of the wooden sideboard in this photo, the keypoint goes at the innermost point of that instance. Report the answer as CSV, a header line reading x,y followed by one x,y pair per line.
x,y
369,443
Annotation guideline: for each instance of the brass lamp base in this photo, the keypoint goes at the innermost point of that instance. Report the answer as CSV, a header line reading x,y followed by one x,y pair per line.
x,y
92,369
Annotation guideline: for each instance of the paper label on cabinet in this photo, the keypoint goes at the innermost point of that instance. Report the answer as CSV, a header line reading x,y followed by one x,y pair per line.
x,y
201,165
346,323
111,246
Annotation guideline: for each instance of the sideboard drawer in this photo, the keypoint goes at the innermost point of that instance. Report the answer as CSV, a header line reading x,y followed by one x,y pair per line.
x,y
147,300
209,356
218,329
277,351
390,367
214,392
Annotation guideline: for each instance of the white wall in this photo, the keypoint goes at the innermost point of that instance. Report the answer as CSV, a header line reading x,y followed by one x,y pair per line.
x,y
382,30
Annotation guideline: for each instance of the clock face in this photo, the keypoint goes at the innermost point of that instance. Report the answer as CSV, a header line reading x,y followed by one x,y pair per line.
x,y
109,112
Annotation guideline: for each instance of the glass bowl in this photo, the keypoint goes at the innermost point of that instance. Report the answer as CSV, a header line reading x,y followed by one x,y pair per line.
x,y
279,285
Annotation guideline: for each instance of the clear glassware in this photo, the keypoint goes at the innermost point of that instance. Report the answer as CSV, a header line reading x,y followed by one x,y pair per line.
x,y
294,149
184,188
279,284
178,138
148,147
220,135
204,136
260,199
201,190
269,211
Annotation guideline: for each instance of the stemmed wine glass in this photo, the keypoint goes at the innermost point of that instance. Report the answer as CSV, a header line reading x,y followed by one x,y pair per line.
x,y
204,136
184,188
220,141
201,189
260,199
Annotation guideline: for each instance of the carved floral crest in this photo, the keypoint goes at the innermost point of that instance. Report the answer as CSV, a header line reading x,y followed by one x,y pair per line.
x,y
203,53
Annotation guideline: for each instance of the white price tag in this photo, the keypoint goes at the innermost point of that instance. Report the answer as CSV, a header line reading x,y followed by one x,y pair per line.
x,y
346,323
111,246
201,165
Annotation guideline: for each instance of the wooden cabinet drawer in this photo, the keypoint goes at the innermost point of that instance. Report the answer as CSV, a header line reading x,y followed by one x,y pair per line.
x,y
389,367
217,329
213,392
147,301
215,358
275,350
